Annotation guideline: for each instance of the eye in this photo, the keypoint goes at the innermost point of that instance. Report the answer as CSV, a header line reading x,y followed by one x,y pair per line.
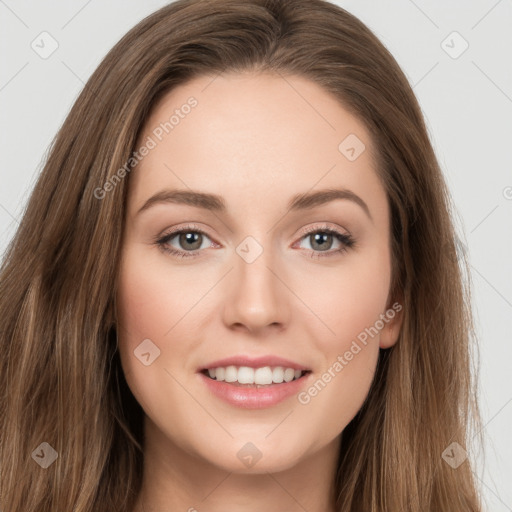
x,y
189,240
322,239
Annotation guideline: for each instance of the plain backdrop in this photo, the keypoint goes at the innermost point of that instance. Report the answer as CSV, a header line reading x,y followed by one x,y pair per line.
x,y
457,56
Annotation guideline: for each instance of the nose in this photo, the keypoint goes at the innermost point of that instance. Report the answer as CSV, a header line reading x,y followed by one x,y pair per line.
x,y
256,298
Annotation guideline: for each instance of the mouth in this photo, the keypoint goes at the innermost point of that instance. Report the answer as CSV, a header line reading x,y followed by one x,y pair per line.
x,y
251,384
247,377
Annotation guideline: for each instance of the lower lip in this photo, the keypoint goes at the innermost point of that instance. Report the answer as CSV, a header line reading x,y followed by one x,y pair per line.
x,y
254,398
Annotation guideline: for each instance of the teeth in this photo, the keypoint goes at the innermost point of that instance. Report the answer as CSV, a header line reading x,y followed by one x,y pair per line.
x,y
259,376
278,375
289,373
231,374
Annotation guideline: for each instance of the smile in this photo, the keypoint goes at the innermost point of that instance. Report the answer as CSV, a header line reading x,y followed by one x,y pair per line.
x,y
245,375
251,395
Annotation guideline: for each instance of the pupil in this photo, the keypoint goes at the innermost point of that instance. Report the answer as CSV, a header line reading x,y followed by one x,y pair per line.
x,y
191,238
322,244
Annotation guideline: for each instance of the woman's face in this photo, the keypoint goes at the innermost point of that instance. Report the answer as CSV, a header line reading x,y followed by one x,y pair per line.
x,y
257,273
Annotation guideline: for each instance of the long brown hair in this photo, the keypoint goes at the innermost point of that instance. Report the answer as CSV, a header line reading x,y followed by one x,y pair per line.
x,y
60,376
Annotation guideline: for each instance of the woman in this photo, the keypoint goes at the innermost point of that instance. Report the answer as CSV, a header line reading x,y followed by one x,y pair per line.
x,y
308,351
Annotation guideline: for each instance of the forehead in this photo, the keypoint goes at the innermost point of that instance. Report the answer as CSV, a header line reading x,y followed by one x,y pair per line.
x,y
253,137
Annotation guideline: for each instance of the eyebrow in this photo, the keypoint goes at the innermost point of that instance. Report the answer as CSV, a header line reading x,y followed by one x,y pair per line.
x,y
216,203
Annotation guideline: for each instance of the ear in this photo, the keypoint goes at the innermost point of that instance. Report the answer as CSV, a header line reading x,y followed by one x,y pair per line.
x,y
392,319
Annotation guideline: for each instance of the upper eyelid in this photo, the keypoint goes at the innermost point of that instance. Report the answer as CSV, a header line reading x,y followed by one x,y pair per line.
x,y
311,229
184,229
324,227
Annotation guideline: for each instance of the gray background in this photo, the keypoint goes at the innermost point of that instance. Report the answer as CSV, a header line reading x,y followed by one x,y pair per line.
x,y
466,100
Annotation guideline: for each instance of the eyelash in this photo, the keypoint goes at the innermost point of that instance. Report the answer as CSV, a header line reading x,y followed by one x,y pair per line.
x,y
346,240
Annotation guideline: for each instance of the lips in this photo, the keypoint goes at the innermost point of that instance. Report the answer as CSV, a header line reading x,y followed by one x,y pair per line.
x,y
254,397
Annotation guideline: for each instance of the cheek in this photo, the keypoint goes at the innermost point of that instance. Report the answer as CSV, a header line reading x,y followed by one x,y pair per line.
x,y
352,300
348,298
337,394
350,353
149,304
140,309
150,300
147,309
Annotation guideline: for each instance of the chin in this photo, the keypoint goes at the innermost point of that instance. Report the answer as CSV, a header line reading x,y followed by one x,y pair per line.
x,y
246,457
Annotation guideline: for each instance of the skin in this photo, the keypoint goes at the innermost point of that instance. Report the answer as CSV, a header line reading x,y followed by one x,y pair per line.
x,y
254,140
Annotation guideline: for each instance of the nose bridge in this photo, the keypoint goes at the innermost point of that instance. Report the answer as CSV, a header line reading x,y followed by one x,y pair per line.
x,y
256,299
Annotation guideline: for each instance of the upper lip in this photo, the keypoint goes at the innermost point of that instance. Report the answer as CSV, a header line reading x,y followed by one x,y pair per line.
x,y
254,362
